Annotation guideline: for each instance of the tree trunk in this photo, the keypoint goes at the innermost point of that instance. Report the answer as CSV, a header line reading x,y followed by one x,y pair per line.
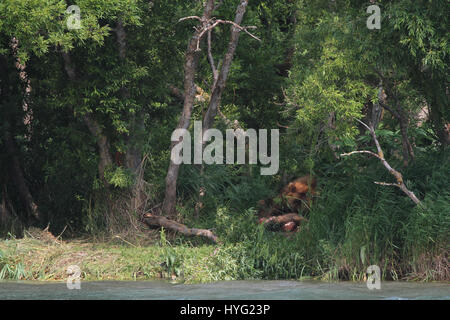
x,y
190,68
19,179
440,125
436,92
219,85
103,146
408,152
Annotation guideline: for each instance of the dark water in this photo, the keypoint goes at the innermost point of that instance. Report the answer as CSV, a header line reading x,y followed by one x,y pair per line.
x,y
286,290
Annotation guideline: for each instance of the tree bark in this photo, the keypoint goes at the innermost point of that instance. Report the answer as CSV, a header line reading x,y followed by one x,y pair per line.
x,y
103,146
399,113
438,102
5,215
190,68
219,83
436,92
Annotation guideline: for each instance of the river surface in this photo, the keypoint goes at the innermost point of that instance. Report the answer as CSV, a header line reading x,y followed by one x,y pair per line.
x,y
236,290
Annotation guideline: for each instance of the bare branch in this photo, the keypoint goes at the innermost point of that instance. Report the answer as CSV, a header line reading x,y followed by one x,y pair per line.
x,y
212,23
362,151
190,17
398,176
386,184
365,125
245,29
211,62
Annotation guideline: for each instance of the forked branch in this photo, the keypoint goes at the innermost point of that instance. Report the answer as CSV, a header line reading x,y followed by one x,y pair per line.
x,y
398,176
208,25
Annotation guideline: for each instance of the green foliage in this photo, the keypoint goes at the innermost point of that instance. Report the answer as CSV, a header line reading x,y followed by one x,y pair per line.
x,y
171,261
119,177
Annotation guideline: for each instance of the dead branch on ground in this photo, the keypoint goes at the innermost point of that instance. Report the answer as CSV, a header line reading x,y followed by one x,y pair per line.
x,y
160,221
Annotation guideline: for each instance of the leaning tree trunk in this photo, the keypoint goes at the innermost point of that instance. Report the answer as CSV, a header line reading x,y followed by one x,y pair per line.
x,y
438,103
220,78
400,114
190,68
436,92
219,82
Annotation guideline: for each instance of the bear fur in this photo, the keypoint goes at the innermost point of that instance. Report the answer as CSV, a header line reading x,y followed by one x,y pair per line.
x,y
294,197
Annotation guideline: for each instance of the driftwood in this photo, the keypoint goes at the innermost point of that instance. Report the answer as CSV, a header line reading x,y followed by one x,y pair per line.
x,y
160,221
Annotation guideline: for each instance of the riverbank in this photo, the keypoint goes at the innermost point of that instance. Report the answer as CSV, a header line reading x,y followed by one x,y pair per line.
x,y
39,256
33,258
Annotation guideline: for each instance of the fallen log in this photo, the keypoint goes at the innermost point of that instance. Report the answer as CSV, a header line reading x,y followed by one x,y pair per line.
x,y
159,221
286,222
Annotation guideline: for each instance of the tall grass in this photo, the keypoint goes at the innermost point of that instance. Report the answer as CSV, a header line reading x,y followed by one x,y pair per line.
x,y
11,268
353,224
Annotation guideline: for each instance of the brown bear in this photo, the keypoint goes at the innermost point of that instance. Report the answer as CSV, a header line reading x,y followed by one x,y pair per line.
x,y
295,196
